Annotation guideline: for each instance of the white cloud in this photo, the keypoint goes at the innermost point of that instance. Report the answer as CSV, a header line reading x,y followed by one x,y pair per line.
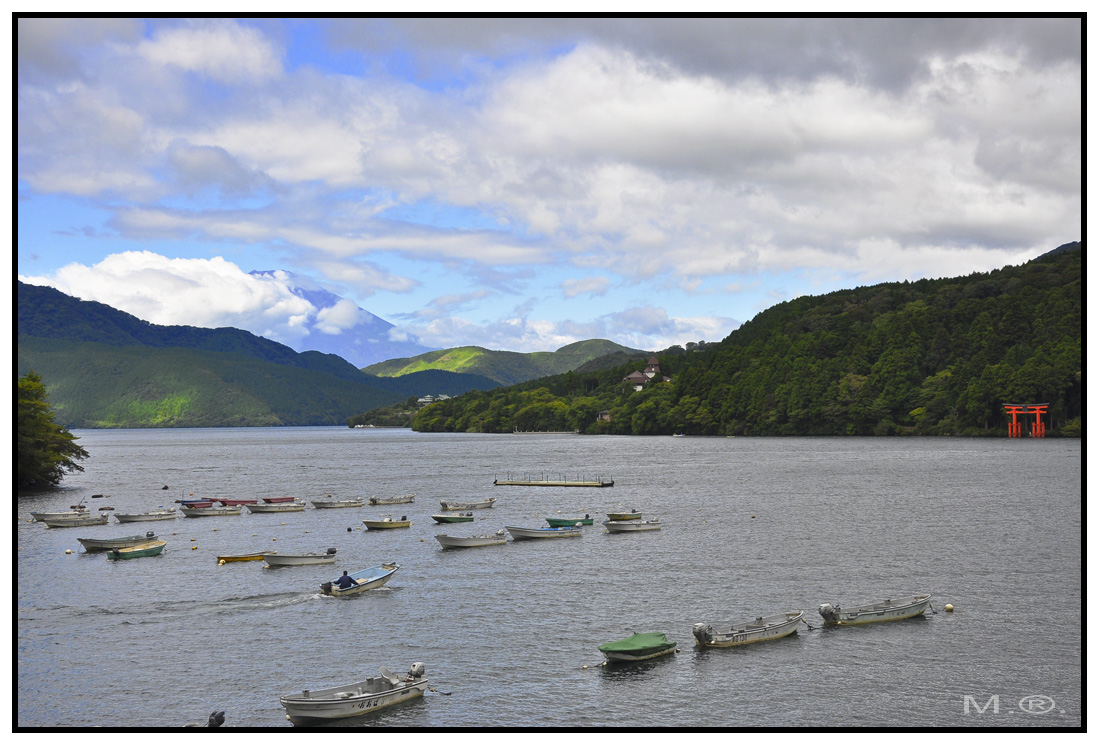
x,y
339,317
587,286
222,50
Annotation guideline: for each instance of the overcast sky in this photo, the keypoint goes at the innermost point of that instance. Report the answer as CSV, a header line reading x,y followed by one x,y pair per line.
x,y
522,184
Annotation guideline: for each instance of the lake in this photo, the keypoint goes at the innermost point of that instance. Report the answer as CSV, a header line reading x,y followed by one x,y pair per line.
x,y
509,634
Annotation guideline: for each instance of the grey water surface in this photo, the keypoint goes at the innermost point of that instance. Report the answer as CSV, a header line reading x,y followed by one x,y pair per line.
x,y
752,526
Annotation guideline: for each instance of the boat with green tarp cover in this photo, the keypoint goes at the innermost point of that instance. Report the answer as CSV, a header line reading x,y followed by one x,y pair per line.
x,y
637,647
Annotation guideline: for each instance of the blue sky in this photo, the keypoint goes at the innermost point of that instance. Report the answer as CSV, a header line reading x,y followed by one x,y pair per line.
x,y
524,183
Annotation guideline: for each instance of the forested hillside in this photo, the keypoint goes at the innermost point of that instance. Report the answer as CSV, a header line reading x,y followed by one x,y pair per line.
x,y
106,368
933,357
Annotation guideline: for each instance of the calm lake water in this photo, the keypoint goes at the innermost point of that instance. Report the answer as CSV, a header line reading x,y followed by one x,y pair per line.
x,y
752,526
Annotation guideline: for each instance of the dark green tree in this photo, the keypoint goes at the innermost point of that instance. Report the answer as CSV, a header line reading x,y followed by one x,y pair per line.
x,y
44,450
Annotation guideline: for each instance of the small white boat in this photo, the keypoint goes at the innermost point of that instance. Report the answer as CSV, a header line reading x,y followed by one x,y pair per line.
x,y
274,559
364,579
160,513
331,504
355,699
388,523
471,541
403,499
78,520
76,510
563,532
106,544
210,510
887,610
758,630
631,526
294,506
476,505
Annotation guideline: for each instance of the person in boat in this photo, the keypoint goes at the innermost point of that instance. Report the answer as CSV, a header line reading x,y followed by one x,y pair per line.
x,y
345,581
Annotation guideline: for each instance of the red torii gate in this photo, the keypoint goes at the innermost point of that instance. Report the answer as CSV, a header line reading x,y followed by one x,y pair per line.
x,y
1015,427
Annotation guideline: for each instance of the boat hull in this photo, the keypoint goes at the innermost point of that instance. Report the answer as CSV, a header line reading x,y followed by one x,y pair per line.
x,y
42,517
258,556
136,552
143,517
405,499
748,632
76,522
560,522
480,504
316,708
473,541
297,560
106,544
210,511
535,533
368,579
282,507
386,524
887,610
336,504
630,526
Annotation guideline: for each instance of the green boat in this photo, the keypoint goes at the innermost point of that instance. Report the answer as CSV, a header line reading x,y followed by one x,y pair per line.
x,y
466,517
637,647
562,522
152,548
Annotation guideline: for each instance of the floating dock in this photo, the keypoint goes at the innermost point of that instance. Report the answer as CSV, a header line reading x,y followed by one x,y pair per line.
x,y
551,482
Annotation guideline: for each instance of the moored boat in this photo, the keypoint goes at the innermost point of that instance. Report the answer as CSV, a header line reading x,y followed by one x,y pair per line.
x,y
523,533
274,559
403,499
235,502
253,556
618,516
466,517
637,647
364,579
631,526
331,504
209,509
472,541
474,505
760,629
887,610
106,544
355,699
160,513
295,505
76,510
387,523
559,522
78,520
151,548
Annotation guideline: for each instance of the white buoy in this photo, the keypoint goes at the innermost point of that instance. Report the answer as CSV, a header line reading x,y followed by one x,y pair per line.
x,y
68,551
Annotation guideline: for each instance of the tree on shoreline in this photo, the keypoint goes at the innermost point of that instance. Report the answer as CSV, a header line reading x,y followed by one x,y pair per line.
x,y
45,450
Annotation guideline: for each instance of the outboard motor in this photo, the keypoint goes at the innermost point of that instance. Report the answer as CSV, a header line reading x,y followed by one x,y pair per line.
x,y
216,719
330,551
150,535
417,670
827,612
326,588
703,632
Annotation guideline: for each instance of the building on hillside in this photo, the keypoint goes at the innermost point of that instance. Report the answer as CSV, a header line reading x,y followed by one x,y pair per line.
x,y
640,378
429,399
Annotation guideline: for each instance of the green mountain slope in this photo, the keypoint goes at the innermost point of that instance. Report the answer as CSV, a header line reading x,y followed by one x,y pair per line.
x,y
506,368
106,368
927,357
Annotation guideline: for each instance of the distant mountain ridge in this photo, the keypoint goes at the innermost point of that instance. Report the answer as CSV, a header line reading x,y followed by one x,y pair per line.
x,y
106,368
506,368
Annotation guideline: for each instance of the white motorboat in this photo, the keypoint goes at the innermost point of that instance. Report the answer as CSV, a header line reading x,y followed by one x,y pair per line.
x,y
631,526
78,520
887,610
362,580
75,510
472,541
208,509
160,513
330,504
403,499
563,532
475,505
355,699
106,544
758,630
296,560
292,505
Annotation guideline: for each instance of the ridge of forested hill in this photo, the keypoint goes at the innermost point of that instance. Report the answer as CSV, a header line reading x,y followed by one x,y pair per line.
x,y
931,357
506,368
106,368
